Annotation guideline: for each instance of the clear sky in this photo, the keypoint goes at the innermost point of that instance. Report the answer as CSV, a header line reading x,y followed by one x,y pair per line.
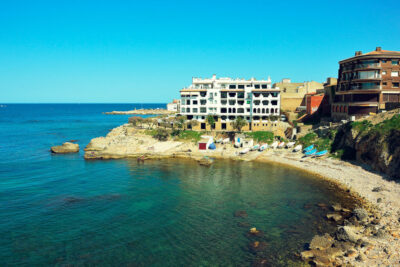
x,y
146,51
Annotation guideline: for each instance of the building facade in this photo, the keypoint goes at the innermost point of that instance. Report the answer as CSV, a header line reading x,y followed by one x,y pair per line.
x,y
226,99
174,105
367,83
293,94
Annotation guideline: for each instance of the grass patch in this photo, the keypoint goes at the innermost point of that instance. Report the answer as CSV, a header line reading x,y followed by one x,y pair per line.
x,y
319,143
361,126
387,126
189,135
262,136
151,132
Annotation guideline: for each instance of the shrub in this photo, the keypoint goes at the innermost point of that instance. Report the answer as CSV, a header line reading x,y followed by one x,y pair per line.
x,y
239,123
161,134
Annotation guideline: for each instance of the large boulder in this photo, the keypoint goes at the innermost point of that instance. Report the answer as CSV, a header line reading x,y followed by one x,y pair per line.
x,y
321,242
347,233
67,147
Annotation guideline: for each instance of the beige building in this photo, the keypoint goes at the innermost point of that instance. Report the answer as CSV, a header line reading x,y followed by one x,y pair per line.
x,y
292,94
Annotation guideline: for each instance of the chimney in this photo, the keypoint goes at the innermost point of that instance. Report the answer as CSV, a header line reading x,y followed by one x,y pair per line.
x,y
358,53
378,48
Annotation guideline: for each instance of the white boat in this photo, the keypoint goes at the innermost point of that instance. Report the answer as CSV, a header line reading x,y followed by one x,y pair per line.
x,y
281,144
297,148
263,147
225,141
255,148
244,151
274,145
290,144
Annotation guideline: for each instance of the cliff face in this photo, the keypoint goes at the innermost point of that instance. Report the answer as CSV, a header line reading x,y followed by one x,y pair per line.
x,y
375,145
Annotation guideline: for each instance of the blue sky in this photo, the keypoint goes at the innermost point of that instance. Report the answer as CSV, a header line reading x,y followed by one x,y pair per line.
x,y
146,51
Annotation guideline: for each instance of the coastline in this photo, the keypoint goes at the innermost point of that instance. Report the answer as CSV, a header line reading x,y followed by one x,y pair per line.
x,y
376,192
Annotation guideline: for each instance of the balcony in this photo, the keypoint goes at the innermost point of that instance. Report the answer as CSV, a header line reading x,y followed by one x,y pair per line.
x,y
367,66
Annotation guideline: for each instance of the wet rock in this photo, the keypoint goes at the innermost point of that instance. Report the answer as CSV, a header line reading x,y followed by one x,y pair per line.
x,y
260,262
255,233
361,214
334,216
305,255
65,148
321,242
241,213
257,246
347,233
336,207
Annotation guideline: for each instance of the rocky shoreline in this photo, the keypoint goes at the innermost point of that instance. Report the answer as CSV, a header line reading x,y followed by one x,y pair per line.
x,y
157,111
365,236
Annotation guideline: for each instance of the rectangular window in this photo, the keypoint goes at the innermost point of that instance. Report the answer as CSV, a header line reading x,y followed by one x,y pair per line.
x,y
203,110
195,110
395,62
232,86
195,102
257,86
395,74
384,72
241,86
395,85
187,102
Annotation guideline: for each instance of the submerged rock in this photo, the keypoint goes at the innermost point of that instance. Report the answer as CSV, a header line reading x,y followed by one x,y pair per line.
x,y
67,147
321,242
257,246
334,216
241,213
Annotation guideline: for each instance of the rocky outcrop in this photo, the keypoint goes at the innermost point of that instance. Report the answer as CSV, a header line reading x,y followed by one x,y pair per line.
x,y
65,148
368,145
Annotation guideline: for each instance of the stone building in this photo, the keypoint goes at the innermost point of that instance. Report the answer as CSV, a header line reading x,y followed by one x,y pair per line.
x,y
293,94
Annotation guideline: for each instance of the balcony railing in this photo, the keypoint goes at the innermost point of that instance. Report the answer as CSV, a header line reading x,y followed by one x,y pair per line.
x,y
367,65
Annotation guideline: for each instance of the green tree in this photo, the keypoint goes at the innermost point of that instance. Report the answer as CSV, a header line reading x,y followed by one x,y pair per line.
x,y
211,121
136,121
239,123
161,134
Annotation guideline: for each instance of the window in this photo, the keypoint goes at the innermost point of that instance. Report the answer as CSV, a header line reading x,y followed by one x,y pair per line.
x,y
203,110
187,102
195,110
384,83
384,72
257,86
383,60
203,102
395,62
241,86
194,102
232,86
395,85
264,86
395,74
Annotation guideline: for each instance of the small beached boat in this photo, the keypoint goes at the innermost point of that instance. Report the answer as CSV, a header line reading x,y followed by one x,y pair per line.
x,y
225,141
310,152
290,144
255,148
263,147
309,148
320,153
274,144
281,144
297,148
245,151
218,141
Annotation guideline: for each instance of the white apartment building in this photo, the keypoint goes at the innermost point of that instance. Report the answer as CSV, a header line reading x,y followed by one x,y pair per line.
x,y
227,98
174,105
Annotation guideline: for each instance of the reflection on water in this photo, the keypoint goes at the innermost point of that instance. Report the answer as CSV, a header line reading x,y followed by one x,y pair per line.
x,y
166,213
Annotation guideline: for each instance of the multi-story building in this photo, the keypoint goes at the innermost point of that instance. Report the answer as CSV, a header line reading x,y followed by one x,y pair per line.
x,y
367,83
226,99
293,94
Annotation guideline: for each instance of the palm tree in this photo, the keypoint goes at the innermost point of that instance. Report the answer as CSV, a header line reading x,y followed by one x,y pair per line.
x,y
239,123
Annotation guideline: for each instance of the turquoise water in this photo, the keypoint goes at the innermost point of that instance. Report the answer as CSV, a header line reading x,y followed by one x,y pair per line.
x,y
63,210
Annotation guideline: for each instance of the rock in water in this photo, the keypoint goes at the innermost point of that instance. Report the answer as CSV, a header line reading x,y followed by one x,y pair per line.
x,y
321,242
334,216
67,147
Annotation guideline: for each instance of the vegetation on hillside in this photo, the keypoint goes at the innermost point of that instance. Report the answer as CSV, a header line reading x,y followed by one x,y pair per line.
x,y
261,136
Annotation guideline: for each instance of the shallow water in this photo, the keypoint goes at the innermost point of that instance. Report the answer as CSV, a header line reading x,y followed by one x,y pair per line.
x,y
60,209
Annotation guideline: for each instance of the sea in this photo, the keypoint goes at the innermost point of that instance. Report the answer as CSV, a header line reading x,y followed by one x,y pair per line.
x,y
62,210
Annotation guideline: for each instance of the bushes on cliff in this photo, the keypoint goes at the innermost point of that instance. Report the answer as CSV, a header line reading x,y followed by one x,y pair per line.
x,y
262,136
161,134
